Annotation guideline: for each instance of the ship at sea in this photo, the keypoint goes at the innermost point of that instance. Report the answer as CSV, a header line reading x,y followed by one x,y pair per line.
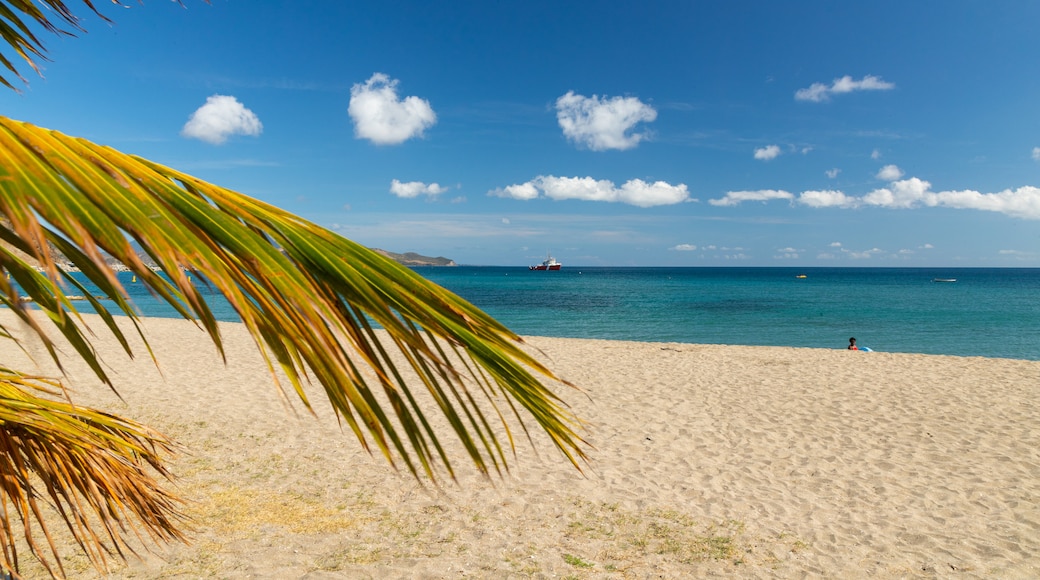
x,y
549,263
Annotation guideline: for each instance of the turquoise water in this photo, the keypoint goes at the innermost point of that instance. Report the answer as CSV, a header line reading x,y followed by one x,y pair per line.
x,y
986,312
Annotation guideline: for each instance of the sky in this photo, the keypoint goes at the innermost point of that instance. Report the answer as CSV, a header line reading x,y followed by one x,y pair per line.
x,y
666,133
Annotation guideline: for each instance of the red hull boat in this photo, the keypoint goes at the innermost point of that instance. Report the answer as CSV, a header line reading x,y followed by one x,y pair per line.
x,y
550,263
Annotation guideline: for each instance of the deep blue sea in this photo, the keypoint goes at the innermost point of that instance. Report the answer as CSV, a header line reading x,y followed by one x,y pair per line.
x,y
986,312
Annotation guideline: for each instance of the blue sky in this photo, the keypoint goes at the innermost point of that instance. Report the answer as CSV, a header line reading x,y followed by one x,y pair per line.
x,y
611,133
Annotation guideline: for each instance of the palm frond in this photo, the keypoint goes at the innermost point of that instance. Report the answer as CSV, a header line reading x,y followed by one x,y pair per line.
x,y
94,468
306,293
311,299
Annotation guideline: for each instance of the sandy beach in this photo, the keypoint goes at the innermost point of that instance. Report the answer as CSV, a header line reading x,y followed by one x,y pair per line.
x,y
707,460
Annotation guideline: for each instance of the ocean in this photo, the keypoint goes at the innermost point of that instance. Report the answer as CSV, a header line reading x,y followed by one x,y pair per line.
x,y
985,312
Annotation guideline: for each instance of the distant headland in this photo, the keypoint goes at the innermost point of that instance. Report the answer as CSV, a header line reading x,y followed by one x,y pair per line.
x,y
413,259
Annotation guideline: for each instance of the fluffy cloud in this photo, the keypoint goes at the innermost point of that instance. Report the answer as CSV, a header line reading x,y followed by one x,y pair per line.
x,y
634,192
684,248
602,124
768,152
832,173
819,92
523,191
875,154
1036,153
221,117
827,198
1023,202
902,194
415,189
382,117
737,197
889,173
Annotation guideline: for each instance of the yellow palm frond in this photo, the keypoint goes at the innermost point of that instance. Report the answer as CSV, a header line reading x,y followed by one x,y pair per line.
x,y
90,465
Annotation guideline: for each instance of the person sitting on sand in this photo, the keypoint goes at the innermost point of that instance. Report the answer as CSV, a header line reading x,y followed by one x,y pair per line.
x,y
852,344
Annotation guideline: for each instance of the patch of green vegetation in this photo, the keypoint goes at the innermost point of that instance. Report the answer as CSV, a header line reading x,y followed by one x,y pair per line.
x,y
576,561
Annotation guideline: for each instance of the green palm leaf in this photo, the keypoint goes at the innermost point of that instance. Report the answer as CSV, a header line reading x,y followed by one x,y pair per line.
x,y
310,298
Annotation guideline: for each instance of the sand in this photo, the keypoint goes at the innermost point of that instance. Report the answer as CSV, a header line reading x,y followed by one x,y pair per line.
x,y
708,460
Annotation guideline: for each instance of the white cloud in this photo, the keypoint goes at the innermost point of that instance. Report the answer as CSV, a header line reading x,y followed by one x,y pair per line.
x,y
768,152
737,197
835,244
827,198
902,194
684,248
875,154
633,192
1036,153
1023,202
832,173
523,191
819,92
602,124
415,189
927,247
505,221
383,118
221,117
889,173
